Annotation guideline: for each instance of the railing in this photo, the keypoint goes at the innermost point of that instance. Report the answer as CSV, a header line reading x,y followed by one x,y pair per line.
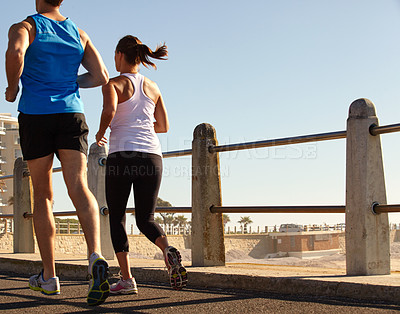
x,y
6,225
366,209
279,142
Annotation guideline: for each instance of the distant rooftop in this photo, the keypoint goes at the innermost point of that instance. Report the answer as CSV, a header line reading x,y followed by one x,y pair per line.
x,y
8,117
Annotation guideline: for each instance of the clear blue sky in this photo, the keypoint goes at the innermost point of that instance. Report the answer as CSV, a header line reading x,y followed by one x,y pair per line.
x,y
255,70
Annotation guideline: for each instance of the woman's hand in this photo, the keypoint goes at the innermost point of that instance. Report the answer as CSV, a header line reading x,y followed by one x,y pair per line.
x,y
101,140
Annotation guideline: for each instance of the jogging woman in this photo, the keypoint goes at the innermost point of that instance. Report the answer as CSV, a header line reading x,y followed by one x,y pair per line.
x,y
131,104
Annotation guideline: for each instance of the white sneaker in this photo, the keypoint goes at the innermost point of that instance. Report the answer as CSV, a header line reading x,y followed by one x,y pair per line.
x,y
177,273
124,287
48,287
99,287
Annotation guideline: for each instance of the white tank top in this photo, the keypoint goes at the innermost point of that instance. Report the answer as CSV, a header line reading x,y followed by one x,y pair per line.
x,y
132,128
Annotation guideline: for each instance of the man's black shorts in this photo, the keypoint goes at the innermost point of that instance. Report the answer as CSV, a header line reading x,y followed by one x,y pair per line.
x,y
42,135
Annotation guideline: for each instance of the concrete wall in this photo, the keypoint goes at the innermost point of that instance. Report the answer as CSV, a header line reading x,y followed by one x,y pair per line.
x,y
140,246
255,245
6,242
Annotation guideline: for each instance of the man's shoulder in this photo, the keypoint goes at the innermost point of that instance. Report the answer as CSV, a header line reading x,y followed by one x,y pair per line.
x,y
27,24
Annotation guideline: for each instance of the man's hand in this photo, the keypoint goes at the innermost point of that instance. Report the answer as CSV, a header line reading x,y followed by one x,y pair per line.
x,y
11,93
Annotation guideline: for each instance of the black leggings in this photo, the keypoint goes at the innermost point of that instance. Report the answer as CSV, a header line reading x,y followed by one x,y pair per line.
x,y
143,171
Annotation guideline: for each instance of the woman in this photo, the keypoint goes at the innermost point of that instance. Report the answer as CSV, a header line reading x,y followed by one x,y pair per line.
x,y
132,103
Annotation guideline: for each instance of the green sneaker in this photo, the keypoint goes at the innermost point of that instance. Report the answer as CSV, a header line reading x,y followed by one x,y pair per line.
x,y
47,287
99,288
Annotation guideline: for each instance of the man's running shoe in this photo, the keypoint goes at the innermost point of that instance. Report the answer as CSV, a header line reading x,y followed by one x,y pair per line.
x,y
124,287
177,273
99,287
47,287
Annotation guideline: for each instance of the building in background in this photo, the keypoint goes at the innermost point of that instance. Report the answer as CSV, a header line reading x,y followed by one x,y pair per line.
x,y
10,150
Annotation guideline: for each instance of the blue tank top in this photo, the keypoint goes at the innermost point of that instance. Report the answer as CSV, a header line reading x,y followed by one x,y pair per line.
x,y
51,69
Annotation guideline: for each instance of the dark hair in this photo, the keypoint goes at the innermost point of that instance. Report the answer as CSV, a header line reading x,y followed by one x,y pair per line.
x,y
135,52
55,3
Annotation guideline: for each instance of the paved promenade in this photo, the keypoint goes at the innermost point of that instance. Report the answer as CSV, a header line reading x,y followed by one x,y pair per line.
x,y
16,297
294,280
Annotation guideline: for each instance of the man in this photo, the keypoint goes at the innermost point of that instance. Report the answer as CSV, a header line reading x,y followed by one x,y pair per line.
x,y
45,51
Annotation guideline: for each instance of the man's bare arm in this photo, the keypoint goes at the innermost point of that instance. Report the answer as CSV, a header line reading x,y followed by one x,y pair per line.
x,y
97,72
18,43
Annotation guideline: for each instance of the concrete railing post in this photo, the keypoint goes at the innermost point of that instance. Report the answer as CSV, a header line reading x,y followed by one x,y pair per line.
x,y
23,203
367,234
208,247
97,184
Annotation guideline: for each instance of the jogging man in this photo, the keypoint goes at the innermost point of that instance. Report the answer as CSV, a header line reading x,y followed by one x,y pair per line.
x,y
45,51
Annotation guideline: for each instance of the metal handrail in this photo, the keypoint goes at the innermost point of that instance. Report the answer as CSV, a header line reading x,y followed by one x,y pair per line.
x,y
177,153
333,209
104,211
59,169
7,177
6,216
278,209
55,214
336,209
11,176
166,210
379,209
375,130
279,142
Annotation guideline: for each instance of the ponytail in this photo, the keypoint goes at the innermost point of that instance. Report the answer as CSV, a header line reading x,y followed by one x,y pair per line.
x,y
135,52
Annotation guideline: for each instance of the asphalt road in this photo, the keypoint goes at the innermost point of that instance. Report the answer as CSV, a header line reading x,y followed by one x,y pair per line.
x,y
16,297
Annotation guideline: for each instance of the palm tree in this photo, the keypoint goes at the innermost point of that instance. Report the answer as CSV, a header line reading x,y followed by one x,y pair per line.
x,y
159,220
168,220
181,221
225,220
246,220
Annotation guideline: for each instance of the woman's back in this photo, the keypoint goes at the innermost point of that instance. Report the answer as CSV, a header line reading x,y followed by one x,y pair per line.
x,y
132,128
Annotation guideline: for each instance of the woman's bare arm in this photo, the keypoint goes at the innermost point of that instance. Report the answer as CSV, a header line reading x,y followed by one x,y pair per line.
x,y
110,101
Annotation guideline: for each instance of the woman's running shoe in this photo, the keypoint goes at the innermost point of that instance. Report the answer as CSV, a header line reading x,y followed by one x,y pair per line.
x,y
124,287
47,287
99,288
177,273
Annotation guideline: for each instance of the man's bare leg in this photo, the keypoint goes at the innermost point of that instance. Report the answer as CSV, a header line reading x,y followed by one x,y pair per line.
x,y
43,219
74,168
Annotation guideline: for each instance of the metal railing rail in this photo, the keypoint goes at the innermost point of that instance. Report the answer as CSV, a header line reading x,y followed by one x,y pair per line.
x,y
390,128
277,209
280,142
177,153
335,209
104,212
375,130
312,209
165,210
377,208
6,216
